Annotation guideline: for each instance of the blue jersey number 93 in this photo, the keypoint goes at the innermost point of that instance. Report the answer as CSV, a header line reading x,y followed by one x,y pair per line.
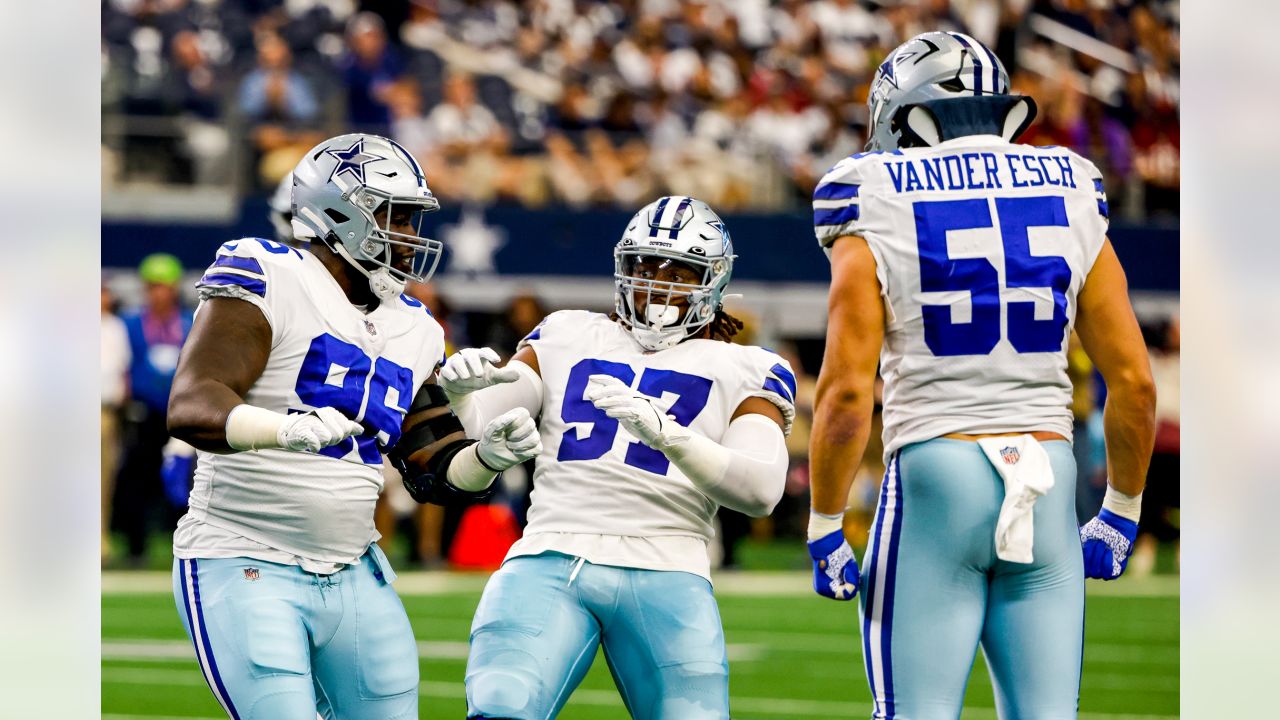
x,y
692,393
939,272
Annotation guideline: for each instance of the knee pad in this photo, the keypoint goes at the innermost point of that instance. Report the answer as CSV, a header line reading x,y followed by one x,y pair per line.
x,y
506,686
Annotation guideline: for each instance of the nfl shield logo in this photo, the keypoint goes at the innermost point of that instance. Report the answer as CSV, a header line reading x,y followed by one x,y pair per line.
x,y
1010,455
369,326
251,574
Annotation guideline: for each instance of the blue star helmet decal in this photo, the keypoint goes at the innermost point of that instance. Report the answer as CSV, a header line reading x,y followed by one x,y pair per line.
x,y
352,160
888,71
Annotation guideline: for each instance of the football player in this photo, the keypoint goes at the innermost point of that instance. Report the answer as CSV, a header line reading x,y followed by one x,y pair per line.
x,y
650,420
298,375
960,262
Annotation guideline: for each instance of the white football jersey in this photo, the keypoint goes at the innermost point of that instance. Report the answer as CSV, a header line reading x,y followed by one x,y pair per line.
x,y
593,477
981,247
324,352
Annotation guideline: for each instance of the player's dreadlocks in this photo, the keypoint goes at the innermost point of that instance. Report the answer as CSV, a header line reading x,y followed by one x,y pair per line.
x,y
723,326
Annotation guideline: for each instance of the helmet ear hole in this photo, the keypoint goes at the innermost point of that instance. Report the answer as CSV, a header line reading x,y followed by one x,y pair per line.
x,y
336,216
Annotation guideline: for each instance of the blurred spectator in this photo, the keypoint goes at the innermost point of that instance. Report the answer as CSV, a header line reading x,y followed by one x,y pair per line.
x,y
370,69
465,145
115,362
193,87
194,92
778,85
281,107
518,319
156,333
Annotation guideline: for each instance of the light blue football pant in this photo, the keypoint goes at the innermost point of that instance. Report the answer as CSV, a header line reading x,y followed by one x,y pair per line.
x,y
539,624
278,643
933,590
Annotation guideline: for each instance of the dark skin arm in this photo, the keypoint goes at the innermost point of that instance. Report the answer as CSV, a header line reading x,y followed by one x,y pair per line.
x,y
846,384
228,348
1111,336
422,456
223,357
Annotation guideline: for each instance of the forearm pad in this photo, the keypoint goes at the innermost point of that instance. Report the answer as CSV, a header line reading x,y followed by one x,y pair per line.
x,y
430,485
746,472
429,482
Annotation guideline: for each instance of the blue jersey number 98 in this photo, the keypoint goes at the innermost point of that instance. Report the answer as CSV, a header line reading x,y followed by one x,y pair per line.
x,y
939,272
361,390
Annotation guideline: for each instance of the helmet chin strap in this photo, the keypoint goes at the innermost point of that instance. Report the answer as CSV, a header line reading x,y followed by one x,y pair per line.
x,y
383,284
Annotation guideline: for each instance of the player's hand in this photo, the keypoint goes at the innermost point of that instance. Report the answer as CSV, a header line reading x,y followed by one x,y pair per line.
x,y
640,415
835,569
508,440
311,431
473,369
1108,542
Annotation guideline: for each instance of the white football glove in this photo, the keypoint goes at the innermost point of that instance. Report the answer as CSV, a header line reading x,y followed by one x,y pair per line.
x,y
637,413
473,369
508,440
320,428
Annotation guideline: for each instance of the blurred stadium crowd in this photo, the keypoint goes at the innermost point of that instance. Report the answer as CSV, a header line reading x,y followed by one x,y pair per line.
x,y
742,103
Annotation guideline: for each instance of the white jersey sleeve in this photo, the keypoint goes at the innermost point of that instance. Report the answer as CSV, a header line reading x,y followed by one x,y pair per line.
x,y
767,375
249,269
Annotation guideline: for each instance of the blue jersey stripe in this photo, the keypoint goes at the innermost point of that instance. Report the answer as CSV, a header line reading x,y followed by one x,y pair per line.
x,y
1097,185
1103,210
773,385
253,285
836,191
247,264
786,376
835,216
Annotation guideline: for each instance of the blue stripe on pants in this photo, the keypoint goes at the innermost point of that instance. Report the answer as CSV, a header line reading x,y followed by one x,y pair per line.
x,y
208,664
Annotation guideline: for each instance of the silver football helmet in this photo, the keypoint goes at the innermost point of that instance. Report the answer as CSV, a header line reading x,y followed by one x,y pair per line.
x,y
671,236
341,185
929,66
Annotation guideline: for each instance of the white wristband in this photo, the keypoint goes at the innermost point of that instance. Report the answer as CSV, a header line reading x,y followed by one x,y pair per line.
x,y
253,428
1126,506
822,524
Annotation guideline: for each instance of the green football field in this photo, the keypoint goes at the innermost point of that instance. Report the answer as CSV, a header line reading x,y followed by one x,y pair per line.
x,y
792,655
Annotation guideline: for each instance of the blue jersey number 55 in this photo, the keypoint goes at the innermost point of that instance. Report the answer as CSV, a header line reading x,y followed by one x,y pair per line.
x,y
939,272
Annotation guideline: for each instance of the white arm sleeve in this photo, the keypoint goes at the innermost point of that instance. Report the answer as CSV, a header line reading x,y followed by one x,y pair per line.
x,y
476,409
466,472
746,472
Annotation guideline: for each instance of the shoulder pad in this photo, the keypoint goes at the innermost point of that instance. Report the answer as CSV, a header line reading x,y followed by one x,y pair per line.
x,y
837,206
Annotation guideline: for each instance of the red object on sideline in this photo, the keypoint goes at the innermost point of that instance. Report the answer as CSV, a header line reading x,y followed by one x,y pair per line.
x,y
485,534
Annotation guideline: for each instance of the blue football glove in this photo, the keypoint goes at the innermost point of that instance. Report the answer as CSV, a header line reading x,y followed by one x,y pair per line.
x,y
1108,542
176,469
835,569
